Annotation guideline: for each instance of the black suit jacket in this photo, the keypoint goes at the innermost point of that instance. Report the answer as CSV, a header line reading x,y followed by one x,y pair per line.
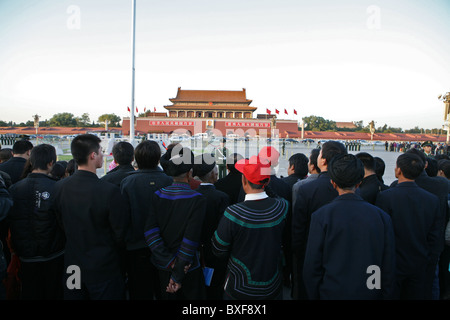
x,y
94,216
310,197
117,174
217,202
415,215
230,184
14,167
438,186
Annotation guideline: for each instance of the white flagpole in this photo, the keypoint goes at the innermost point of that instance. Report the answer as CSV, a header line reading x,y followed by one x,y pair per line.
x,y
133,27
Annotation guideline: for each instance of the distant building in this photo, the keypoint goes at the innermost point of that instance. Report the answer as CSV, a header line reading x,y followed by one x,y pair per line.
x,y
214,111
345,125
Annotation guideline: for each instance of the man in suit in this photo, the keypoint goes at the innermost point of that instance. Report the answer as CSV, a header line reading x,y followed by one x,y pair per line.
x,y
217,201
370,185
94,216
123,154
297,170
310,197
347,237
138,188
231,184
439,187
15,165
415,215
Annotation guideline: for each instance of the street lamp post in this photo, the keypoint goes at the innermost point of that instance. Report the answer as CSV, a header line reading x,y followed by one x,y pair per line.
x,y
36,125
446,99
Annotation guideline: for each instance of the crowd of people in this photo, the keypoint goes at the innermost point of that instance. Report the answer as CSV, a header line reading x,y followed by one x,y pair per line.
x,y
164,225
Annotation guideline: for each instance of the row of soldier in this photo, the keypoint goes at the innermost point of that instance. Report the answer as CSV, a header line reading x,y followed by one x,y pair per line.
x,y
157,232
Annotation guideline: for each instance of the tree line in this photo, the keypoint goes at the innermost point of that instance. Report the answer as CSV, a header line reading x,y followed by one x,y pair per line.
x,y
312,123
66,119
317,123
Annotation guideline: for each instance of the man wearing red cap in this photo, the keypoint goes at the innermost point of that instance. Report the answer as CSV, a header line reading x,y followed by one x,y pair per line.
x,y
250,236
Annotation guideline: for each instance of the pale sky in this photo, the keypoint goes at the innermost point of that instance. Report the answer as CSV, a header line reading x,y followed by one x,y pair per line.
x,y
349,60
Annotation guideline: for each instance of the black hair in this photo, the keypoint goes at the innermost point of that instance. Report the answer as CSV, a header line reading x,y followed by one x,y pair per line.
x,y
58,170
432,167
380,167
147,154
259,186
41,156
313,158
331,149
419,153
411,165
300,163
444,165
83,145
368,160
22,146
123,153
437,157
346,170
72,166
231,161
5,154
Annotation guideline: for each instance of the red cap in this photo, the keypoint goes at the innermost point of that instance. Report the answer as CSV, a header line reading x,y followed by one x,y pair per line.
x,y
254,169
270,154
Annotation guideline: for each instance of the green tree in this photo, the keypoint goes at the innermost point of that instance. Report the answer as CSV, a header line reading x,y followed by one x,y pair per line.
x,y
84,120
64,119
315,123
114,120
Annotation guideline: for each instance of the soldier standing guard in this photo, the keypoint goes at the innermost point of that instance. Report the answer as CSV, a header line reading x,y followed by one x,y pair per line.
x,y
221,156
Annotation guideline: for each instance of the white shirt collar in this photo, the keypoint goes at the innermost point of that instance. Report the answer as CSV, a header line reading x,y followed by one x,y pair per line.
x,y
256,196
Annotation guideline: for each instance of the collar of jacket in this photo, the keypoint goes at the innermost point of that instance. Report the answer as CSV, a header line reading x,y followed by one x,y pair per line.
x,y
123,167
85,173
157,169
407,184
349,196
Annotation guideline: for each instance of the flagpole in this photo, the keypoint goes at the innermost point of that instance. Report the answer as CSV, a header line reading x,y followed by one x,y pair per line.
x,y
133,27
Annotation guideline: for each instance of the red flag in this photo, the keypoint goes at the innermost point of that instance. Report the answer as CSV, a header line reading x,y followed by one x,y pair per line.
x,y
295,112
145,108
277,112
136,110
285,111
268,111
128,109
154,109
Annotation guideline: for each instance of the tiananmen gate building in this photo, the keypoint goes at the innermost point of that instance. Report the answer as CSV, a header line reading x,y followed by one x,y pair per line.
x,y
212,111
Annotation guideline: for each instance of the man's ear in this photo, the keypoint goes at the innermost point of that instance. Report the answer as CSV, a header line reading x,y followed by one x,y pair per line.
x,y
335,186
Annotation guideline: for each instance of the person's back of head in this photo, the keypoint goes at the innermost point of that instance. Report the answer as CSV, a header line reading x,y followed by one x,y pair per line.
x,y
432,167
147,154
380,167
368,161
411,165
82,146
300,164
42,157
123,153
205,168
22,147
5,154
58,170
442,157
444,168
346,171
330,149
177,161
231,161
313,160
419,153
71,167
